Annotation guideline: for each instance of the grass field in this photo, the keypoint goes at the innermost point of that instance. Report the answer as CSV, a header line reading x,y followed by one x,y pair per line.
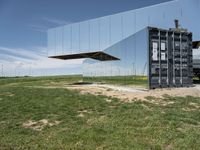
x,y
75,121
120,80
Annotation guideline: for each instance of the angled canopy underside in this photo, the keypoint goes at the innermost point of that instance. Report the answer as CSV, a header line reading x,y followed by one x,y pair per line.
x,y
196,44
101,56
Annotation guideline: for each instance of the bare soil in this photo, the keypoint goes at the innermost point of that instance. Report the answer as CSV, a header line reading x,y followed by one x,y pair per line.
x,y
129,94
39,125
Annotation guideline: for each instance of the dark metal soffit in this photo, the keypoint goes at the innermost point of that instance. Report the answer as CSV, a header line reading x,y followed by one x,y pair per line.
x,y
196,44
101,56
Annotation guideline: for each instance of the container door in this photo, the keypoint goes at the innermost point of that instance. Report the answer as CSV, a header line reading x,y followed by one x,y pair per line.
x,y
170,59
158,64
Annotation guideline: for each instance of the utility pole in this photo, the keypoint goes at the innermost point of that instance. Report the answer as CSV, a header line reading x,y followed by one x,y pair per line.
x,y
30,71
134,70
2,71
15,71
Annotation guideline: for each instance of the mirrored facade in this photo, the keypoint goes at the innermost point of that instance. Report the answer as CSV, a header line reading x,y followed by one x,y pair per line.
x,y
122,35
126,50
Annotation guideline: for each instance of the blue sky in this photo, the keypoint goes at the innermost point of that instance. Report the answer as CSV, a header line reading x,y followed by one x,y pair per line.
x,y
23,26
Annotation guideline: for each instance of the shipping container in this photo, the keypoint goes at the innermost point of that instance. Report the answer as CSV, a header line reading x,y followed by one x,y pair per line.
x,y
170,58
163,57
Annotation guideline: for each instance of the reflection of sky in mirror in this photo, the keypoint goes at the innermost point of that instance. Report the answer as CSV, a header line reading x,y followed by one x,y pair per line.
x,y
196,53
132,53
101,33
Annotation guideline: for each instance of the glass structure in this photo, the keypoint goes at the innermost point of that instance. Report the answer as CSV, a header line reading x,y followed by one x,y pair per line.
x,y
122,36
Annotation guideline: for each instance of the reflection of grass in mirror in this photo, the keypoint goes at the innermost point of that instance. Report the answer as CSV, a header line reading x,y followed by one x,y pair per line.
x,y
117,80
196,80
70,79
120,80
40,80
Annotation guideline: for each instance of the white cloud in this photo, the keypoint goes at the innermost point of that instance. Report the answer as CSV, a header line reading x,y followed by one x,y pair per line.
x,y
29,54
36,60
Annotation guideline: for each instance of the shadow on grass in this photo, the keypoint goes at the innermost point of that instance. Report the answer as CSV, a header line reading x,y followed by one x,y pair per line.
x,y
81,83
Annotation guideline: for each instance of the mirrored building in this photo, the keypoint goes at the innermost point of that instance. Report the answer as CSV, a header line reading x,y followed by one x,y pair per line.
x,y
116,45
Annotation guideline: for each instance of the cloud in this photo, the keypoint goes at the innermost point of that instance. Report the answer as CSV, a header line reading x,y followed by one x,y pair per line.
x,y
36,59
22,53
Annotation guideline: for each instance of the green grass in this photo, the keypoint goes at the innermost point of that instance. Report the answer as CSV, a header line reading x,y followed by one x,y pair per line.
x,y
117,80
105,125
120,80
40,80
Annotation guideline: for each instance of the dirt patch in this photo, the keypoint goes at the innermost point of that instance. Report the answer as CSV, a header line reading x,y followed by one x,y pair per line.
x,y
39,125
138,94
130,94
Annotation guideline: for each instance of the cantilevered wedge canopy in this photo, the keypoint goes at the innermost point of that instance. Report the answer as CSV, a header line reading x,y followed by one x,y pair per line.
x,y
196,44
94,55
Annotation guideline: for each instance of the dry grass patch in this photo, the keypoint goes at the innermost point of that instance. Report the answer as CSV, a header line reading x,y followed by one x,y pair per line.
x,y
158,101
82,113
39,125
146,107
169,147
99,120
187,127
191,107
9,94
195,105
109,100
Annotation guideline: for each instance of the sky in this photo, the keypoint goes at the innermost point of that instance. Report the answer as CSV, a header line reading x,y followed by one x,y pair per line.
x,y
24,25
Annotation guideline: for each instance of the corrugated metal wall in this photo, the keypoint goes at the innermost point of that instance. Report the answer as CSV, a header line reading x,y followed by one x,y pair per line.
x,y
170,58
